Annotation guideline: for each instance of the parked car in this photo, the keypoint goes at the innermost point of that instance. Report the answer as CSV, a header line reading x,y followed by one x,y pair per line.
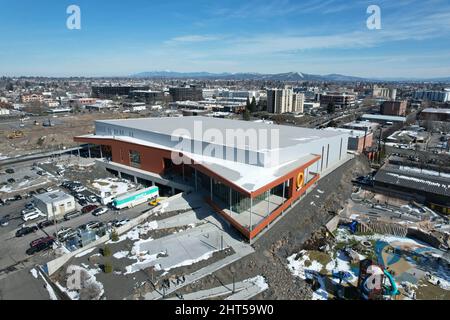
x,y
32,215
80,196
93,225
92,198
42,246
69,235
5,220
17,197
25,231
40,240
31,193
29,206
30,210
72,215
62,233
89,208
79,189
99,211
11,180
41,191
119,223
45,224
10,171
83,203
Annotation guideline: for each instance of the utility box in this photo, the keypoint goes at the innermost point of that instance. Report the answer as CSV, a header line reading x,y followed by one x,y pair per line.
x,y
55,204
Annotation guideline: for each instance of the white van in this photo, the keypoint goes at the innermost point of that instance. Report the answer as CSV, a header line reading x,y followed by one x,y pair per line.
x,y
32,215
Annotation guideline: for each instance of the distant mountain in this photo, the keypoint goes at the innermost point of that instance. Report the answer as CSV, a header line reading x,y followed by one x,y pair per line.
x,y
288,76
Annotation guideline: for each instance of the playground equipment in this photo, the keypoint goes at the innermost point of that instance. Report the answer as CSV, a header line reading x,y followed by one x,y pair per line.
x,y
372,282
352,226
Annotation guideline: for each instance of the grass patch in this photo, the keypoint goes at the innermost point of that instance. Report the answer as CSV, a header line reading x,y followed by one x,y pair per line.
x,y
321,257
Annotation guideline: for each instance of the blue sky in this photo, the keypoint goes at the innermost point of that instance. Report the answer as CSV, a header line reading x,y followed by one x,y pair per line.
x,y
119,38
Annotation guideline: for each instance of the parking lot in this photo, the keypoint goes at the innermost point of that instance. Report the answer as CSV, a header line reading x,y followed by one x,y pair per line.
x,y
12,248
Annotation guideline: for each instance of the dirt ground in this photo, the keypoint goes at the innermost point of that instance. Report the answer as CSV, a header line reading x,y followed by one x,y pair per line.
x,y
39,138
288,236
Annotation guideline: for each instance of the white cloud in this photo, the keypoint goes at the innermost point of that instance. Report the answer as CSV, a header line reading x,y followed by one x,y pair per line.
x,y
194,38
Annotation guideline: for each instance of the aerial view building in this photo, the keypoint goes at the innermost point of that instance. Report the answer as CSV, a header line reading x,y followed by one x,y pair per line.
x,y
249,191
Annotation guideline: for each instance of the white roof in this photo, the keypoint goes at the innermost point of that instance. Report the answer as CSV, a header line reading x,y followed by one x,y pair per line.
x,y
288,135
53,196
246,176
434,110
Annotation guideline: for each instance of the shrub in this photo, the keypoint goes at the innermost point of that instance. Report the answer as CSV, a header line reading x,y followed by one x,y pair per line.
x,y
107,267
106,251
114,236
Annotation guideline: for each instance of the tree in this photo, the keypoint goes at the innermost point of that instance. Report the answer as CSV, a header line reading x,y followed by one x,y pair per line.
x,y
331,108
246,115
252,106
247,104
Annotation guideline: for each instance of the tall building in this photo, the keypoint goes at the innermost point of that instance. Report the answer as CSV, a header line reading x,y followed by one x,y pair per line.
x,y
298,102
280,100
389,93
438,96
191,93
393,108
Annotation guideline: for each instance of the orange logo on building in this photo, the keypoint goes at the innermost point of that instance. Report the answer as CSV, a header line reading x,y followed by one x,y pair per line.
x,y
300,180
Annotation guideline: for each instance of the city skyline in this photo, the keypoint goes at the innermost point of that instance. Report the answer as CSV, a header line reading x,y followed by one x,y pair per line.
x,y
315,37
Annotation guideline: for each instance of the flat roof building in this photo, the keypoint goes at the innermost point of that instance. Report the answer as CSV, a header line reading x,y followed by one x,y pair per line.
x,y
357,140
383,119
55,204
249,172
433,114
393,108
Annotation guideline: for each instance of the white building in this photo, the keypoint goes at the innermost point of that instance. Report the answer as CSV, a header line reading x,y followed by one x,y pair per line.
x,y
439,96
55,204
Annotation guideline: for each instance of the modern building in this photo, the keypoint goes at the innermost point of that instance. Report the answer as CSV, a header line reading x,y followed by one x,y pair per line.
x,y
432,95
103,92
340,100
387,93
432,114
55,204
357,140
394,108
249,172
280,100
298,102
190,93
147,96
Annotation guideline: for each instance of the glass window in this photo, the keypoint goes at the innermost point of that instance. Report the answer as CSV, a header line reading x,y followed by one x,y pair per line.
x,y
135,159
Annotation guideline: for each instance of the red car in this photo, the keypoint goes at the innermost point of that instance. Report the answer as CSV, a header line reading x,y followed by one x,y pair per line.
x,y
89,208
41,240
